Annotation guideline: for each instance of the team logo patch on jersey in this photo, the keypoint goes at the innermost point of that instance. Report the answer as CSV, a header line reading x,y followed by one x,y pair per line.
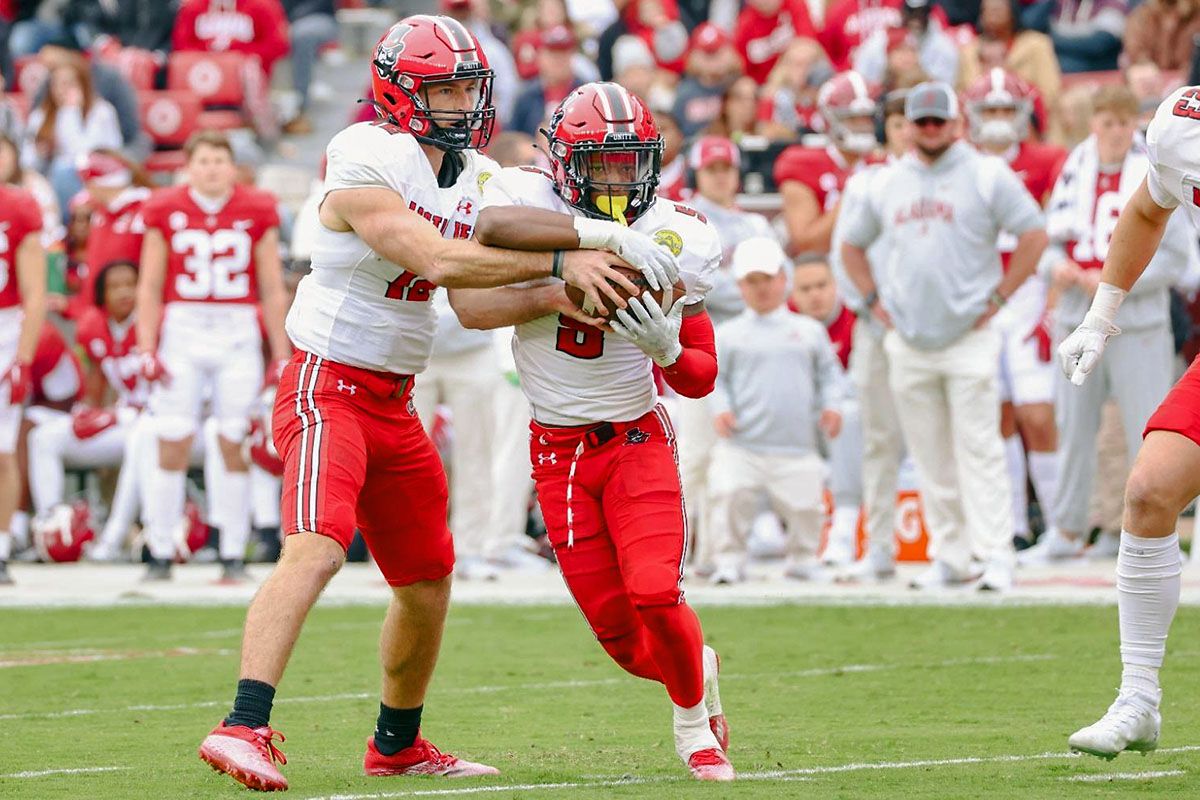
x,y
177,221
670,240
483,178
636,436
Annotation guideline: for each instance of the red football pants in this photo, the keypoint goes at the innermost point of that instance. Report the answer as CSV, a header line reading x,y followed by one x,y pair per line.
x,y
355,455
1179,411
613,508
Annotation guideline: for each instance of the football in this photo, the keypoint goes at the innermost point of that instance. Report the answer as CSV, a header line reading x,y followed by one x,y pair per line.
x,y
575,294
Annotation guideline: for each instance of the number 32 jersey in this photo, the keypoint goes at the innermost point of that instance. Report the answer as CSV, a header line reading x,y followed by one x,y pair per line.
x,y
356,307
575,374
210,248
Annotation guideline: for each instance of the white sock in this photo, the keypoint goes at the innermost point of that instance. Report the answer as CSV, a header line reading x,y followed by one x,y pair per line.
x,y
692,733
19,527
1148,580
6,549
1043,471
233,499
844,525
164,510
1014,458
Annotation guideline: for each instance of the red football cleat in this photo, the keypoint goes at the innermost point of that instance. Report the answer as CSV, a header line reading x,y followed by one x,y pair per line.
x,y
247,755
421,759
710,765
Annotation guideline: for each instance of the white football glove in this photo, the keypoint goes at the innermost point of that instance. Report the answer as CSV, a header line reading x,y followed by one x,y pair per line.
x,y
1081,351
656,334
657,264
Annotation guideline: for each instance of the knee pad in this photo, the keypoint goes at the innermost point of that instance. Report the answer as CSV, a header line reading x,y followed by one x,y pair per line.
x,y
173,428
653,585
233,429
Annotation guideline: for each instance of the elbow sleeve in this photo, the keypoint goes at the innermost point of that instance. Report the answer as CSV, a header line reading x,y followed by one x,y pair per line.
x,y
695,372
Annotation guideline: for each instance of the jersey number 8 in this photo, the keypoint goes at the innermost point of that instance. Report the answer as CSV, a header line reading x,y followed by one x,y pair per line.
x,y
216,264
577,339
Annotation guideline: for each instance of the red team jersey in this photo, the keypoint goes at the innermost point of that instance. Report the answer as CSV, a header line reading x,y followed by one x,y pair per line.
x,y
821,169
1092,250
849,22
841,334
761,39
210,257
48,365
1037,165
111,348
115,235
20,215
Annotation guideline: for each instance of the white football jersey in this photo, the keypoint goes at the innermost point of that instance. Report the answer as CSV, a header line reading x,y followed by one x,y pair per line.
x,y
574,374
1173,145
355,307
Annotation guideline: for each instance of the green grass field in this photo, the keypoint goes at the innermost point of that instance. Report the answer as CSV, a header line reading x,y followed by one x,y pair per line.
x,y
845,702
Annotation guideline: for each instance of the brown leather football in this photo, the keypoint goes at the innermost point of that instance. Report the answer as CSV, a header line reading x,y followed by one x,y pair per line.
x,y
575,294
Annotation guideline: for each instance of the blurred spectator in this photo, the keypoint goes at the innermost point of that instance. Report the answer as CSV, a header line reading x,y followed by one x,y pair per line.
x,y
959,12
69,122
312,26
38,23
10,115
514,149
116,188
937,52
657,23
1027,54
1148,85
811,179
1096,182
7,9
942,229
765,28
1163,32
787,106
475,16
714,163
850,22
1087,33
253,27
141,24
634,66
712,64
739,110
555,81
672,181
778,387
11,172
109,84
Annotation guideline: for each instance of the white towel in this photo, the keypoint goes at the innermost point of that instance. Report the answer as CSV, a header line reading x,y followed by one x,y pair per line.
x,y
1069,215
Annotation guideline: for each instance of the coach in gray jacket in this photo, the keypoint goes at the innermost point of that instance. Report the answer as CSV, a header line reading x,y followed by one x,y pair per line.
x,y
942,207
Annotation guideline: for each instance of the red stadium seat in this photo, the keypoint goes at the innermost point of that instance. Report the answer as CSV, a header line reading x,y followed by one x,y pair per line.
x,y
165,161
1092,79
216,79
139,67
169,117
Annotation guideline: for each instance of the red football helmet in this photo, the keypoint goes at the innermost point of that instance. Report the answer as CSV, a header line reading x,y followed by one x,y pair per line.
x,y
848,96
999,91
605,152
417,53
60,537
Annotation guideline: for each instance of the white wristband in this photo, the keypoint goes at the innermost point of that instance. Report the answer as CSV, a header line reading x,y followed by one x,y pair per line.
x,y
594,234
1106,302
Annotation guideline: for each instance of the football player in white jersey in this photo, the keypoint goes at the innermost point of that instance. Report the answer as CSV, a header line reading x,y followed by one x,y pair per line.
x,y
400,200
603,449
1166,473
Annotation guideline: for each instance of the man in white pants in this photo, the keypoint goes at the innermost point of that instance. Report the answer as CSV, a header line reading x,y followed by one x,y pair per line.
x,y
775,369
942,207
1097,182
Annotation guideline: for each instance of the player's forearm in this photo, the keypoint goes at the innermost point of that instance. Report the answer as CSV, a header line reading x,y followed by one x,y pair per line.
x,y
149,314
858,269
694,373
94,386
1135,239
31,279
1024,261
526,228
459,264
814,236
488,309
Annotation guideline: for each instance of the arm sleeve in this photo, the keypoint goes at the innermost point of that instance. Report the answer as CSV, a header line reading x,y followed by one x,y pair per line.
x,y
695,372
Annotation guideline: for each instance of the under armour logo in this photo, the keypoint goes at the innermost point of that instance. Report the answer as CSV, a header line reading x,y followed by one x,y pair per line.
x,y
346,387
547,458
464,206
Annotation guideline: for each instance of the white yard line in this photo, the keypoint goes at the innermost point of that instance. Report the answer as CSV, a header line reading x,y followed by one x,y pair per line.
x,y
546,685
42,773
1125,776
41,658
773,775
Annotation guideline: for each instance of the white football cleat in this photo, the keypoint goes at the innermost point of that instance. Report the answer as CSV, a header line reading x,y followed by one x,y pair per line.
x,y
997,577
807,569
839,550
1053,546
727,575
1131,723
870,568
712,698
1107,545
473,568
940,575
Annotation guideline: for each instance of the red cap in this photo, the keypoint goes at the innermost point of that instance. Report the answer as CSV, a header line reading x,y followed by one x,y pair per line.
x,y
709,38
710,149
560,37
104,170
452,5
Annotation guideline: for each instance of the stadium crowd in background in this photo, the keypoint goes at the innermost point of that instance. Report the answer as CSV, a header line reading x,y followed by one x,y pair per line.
x,y
768,132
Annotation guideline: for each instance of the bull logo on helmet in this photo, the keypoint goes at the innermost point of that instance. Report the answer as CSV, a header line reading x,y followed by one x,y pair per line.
x,y
390,49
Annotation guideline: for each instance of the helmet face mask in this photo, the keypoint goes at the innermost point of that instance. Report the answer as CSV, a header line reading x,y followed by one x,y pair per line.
x,y
417,61
606,163
850,105
999,109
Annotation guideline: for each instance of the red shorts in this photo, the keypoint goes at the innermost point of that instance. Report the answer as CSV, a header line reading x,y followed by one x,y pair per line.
x,y
621,538
355,455
1180,409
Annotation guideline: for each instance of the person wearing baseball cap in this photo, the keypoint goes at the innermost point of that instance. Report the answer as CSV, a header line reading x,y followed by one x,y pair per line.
x,y
555,80
712,65
937,52
780,384
941,208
